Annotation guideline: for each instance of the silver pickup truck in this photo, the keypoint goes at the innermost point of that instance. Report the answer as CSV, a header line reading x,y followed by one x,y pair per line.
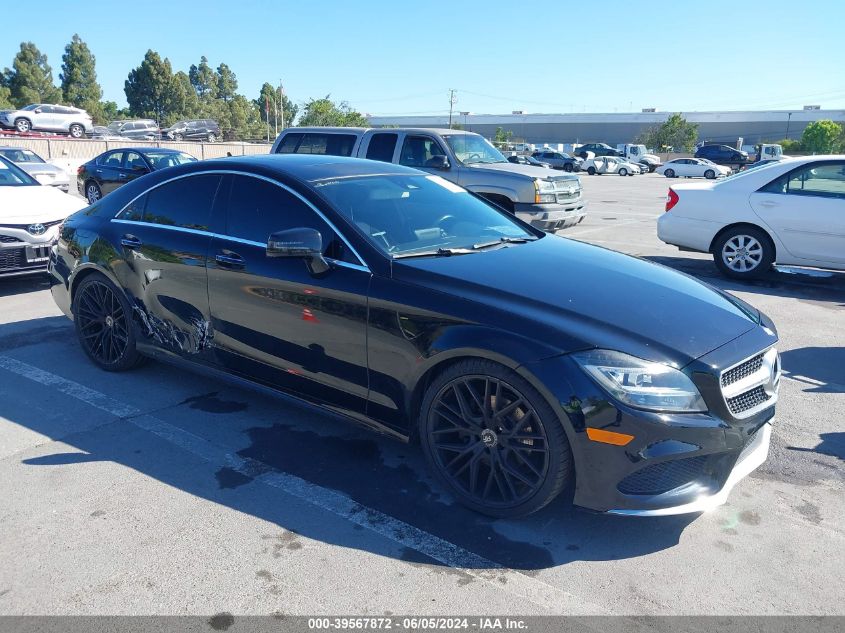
x,y
547,200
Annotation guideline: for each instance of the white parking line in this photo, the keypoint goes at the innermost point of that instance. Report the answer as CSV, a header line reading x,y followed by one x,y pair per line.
x,y
553,599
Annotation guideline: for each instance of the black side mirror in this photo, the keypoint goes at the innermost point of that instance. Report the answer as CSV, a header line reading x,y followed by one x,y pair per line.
x,y
302,243
438,161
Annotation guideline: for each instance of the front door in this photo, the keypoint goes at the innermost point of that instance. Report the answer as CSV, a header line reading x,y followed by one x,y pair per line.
x,y
273,320
806,209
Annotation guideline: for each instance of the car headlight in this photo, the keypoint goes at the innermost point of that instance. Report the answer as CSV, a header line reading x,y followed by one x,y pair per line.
x,y
544,191
640,383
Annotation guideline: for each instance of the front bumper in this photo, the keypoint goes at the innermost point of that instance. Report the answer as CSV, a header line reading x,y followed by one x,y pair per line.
x,y
551,217
674,463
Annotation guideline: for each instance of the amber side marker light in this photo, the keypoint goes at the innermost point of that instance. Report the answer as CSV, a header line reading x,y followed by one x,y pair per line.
x,y
609,437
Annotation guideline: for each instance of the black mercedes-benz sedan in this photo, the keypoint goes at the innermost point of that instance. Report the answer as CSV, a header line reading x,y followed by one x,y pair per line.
x,y
521,362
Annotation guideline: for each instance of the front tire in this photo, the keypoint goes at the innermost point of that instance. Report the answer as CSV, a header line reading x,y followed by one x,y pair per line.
x,y
669,173
567,167
177,137
23,125
591,170
103,321
212,138
710,174
743,253
623,172
492,440
76,131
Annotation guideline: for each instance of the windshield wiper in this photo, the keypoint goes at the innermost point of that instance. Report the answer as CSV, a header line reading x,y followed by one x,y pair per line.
x,y
503,240
440,252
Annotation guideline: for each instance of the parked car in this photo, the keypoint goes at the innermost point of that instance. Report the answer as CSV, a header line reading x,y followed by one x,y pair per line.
x,y
397,297
722,154
558,160
37,167
110,170
789,212
597,149
520,159
611,165
48,117
549,201
193,130
692,168
30,215
139,130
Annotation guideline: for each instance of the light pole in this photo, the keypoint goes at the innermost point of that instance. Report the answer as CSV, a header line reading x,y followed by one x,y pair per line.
x,y
452,100
281,104
788,120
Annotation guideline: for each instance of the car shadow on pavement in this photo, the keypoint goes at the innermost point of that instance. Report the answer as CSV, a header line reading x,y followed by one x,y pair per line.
x,y
387,479
821,369
811,285
832,445
20,285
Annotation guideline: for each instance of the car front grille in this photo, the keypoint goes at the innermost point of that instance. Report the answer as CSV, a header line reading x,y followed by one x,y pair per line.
x,y
8,239
12,259
751,385
659,478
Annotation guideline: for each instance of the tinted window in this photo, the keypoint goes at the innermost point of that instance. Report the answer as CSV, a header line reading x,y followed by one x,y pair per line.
x,y
258,208
112,160
133,160
418,150
331,144
381,147
185,202
827,181
289,143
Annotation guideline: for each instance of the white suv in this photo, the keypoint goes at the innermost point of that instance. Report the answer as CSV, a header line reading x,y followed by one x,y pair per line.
x,y
48,117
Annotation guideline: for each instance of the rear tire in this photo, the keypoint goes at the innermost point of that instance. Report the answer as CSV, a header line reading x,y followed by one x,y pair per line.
x,y
743,252
93,192
103,320
492,440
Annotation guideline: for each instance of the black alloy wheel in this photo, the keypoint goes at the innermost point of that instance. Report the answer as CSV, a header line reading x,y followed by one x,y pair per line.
x,y
493,440
103,324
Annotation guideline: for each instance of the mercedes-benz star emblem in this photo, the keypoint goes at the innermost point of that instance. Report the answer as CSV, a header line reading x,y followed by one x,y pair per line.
x,y
36,229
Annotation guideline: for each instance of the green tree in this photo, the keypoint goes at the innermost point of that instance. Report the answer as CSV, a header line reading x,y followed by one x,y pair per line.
x,y
30,80
5,98
150,89
79,75
502,136
821,137
227,83
203,79
324,112
184,103
268,97
675,132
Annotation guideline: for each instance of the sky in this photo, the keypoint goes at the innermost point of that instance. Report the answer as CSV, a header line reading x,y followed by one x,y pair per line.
x,y
403,57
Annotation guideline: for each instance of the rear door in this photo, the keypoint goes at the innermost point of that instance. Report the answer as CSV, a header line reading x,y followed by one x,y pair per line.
x,y
806,208
380,146
164,236
273,320
109,171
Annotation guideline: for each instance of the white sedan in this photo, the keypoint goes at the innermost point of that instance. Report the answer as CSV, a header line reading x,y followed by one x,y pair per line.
x,y
30,217
791,212
693,168
610,165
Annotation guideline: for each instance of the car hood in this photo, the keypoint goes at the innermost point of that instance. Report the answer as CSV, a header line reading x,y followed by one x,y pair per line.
x,y
571,296
25,205
525,170
42,168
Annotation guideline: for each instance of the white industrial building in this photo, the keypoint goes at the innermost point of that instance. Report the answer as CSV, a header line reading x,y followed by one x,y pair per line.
x,y
727,127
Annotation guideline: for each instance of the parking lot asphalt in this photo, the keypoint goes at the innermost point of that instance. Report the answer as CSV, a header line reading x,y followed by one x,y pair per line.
x,y
158,491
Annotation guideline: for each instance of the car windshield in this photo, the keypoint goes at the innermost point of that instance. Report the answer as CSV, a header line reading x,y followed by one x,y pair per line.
x,y
160,160
32,106
471,149
17,155
13,176
115,126
406,215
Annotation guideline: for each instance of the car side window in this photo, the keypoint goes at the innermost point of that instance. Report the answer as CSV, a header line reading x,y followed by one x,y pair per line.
x,y
133,160
417,150
184,202
381,147
330,144
258,208
112,160
824,181
289,143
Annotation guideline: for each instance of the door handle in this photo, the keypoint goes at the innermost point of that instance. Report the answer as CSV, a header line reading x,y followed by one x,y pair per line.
x,y
231,260
122,176
768,203
130,241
